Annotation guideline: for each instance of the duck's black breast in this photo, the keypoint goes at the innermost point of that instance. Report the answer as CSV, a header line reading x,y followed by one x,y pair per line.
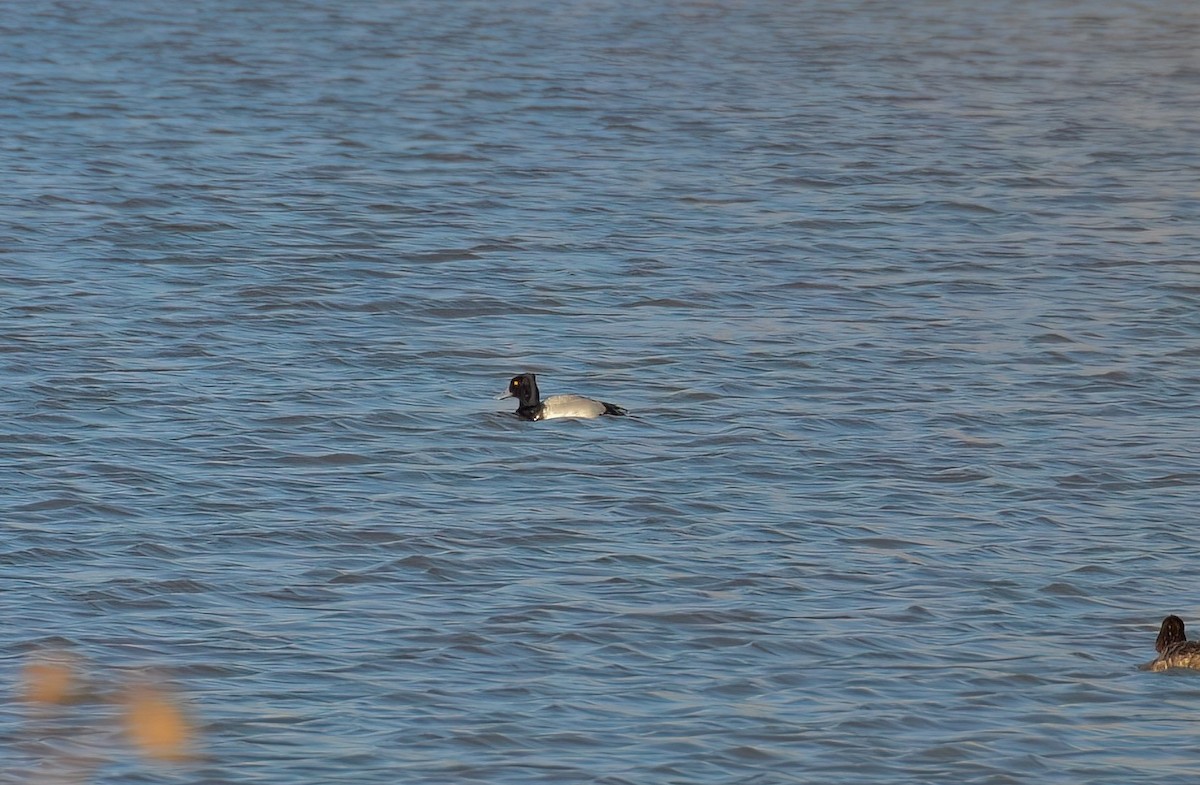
x,y
532,413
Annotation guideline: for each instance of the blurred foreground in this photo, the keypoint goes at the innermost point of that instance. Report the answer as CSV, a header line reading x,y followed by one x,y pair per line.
x,y
81,719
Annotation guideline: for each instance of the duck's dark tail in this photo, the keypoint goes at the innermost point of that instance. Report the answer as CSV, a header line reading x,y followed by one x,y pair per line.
x,y
612,408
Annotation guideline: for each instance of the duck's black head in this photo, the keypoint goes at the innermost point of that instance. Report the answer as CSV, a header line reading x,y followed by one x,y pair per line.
x,y
1171,632
524,388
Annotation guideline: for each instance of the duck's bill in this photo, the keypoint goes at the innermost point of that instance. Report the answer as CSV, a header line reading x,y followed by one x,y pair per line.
x,y
503,395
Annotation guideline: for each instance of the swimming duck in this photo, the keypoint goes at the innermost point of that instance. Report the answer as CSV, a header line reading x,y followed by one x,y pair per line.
x,y
1173,647
524,388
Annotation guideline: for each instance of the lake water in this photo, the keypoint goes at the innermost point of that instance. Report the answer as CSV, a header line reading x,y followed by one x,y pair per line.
x,y
904,301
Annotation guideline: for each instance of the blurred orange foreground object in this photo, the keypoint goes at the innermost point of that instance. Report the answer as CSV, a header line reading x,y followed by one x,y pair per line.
x,y
49,680
156,725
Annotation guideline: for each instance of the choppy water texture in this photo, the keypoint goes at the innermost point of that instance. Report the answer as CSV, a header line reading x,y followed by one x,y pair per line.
x,y
903,299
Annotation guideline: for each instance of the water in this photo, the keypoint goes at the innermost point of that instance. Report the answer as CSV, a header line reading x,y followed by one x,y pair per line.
x,y
903,300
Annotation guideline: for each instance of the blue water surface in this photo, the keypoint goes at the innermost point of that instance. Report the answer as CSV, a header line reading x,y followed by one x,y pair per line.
x,y
904,301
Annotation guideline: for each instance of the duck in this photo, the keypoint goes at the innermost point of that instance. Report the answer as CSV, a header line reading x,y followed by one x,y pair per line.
x,y
1173,647
524,388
